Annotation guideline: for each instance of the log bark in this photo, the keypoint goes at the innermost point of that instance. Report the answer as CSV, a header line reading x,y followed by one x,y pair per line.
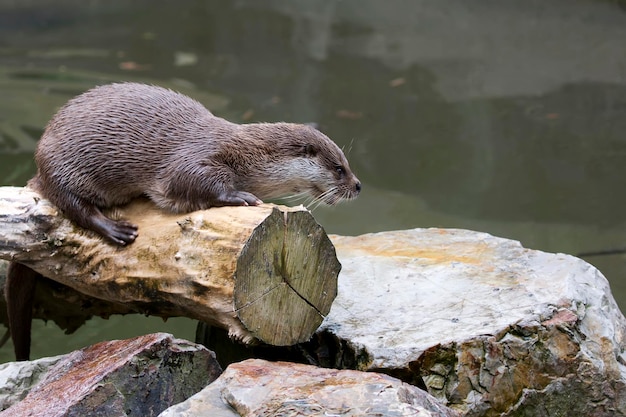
x,y
265,273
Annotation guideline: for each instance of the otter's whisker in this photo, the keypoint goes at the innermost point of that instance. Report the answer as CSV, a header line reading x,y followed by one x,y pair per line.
x,y
312,202
324,198
296,197
350,147
314,205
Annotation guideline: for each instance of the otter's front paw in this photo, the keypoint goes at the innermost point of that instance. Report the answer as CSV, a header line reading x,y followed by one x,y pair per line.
x,y
120,232
238,198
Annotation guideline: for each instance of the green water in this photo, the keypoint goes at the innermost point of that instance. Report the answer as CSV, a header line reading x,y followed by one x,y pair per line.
x,y
500,116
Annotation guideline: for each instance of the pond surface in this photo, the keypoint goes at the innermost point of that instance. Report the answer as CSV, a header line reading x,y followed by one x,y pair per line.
x,y
503,116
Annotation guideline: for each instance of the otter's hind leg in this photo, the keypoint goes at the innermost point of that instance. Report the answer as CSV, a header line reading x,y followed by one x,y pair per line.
x,y
88,216
19,292
119,232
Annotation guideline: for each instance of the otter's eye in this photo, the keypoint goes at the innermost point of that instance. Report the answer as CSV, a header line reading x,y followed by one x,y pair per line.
x,y
309,150
340,171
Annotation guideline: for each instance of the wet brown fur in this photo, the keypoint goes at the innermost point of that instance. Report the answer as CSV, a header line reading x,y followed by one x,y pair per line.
x,y
119,141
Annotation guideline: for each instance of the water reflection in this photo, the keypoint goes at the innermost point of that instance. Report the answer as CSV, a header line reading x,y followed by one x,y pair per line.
x,y
500,116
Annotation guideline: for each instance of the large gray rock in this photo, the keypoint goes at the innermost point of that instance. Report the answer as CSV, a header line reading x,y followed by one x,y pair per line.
x,y
488,327
136,377
257,388
17,378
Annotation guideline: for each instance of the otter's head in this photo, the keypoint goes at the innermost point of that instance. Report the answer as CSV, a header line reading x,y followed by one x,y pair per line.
x,y
319,167
305,162
327,175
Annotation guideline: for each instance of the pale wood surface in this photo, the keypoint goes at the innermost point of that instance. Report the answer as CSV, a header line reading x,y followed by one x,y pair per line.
x,y
272,267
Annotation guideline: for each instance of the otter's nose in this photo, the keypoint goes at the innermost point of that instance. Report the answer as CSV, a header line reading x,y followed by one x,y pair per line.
x,y
357,186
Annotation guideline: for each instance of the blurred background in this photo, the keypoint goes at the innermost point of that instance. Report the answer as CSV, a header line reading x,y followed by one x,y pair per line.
x,y
502,116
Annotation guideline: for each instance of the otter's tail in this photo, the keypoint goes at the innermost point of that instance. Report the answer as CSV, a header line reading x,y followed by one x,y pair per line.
x,y
20,292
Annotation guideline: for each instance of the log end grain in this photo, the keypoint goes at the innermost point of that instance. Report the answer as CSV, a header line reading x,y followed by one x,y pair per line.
x,y
286,278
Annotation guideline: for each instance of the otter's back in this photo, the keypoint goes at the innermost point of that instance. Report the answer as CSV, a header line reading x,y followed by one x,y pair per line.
x,y
116,138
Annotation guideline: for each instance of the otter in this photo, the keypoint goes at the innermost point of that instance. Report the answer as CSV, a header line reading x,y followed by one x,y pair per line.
x,y
119,141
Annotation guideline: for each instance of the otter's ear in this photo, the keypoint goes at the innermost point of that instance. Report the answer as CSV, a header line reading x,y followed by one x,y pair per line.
x,y
309,150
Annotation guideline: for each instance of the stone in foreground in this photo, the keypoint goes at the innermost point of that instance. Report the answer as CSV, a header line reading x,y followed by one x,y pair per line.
x,y
488,327
259,388
136,377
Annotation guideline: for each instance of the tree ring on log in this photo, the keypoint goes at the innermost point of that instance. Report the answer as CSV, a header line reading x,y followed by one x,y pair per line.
x,y
286,278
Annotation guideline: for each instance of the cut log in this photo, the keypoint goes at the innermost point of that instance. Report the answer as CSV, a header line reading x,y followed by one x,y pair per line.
x,y
265,273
